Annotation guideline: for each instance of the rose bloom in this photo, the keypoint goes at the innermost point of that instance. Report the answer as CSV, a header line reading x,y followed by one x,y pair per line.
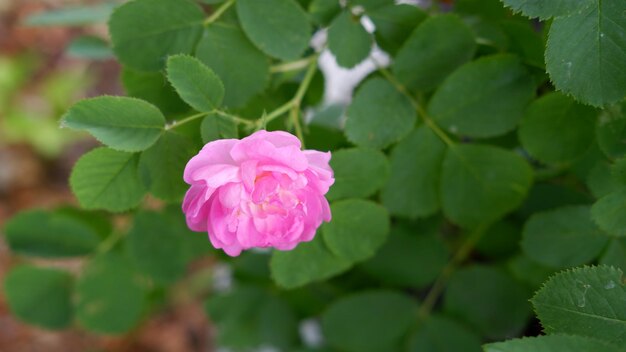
x,y
260,191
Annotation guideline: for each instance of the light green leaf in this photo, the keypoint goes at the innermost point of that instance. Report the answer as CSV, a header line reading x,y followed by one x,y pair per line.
x,y
611,131
546,9
483,98
122,123
155,248
216,126
585,53
609,213
308,262
72,16
586,301
436,48
107,179
244,70
379,115
552,343
110,296
394,24
162,166
408,259
154,88
89,47
40,296
441,334
280,28
563,237
368,321
49,235
197,84
359,227
556,129
145,32
480,184
358,172
348,41
412,188
489,300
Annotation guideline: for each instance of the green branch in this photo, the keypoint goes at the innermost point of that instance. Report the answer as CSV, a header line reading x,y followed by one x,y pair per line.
x,y
218,13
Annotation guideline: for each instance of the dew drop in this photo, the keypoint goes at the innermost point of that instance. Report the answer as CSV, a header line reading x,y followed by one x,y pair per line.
x,y
609,285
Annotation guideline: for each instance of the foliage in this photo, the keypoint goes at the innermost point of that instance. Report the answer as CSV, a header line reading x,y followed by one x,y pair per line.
x,y
468,174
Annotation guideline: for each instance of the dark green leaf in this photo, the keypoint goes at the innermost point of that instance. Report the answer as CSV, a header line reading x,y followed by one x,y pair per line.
x,y
394,24
145,32
611,131
40,296
483,98
615,254
368,321
122,123
436,48
348,41
47,234
609,213
480,184
552,343
359,227
563,237
546,9
107,179
216,126
197,84
415,173
280,28
586,301
441,334
154,88
379,115
358,172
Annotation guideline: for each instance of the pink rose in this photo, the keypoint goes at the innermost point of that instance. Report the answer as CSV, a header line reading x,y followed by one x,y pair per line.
x,y
260,191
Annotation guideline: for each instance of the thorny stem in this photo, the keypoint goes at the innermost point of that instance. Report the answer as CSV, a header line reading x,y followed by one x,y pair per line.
x,y
460,255
218,13
420,110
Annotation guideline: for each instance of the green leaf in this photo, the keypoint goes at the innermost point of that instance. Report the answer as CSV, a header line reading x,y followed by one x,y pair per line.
x,y
154,88
415,172
546,9
110,296
408,260
489,300
379,115
358,172
197,84
441,334
483,98
552,343
162,165
586,301
155,248
500,240
611,131
608,213
244,70
280,28
308,262
487,9
249,317
394,24
368,321
40,296
122,123
601,181
528,271
585,53
145,32
49,235
323,11
216,126
563,237
359,227
90,48
348,41
107,179
72,16
436,48
480,184
615,254
525,41
556,129
371,4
